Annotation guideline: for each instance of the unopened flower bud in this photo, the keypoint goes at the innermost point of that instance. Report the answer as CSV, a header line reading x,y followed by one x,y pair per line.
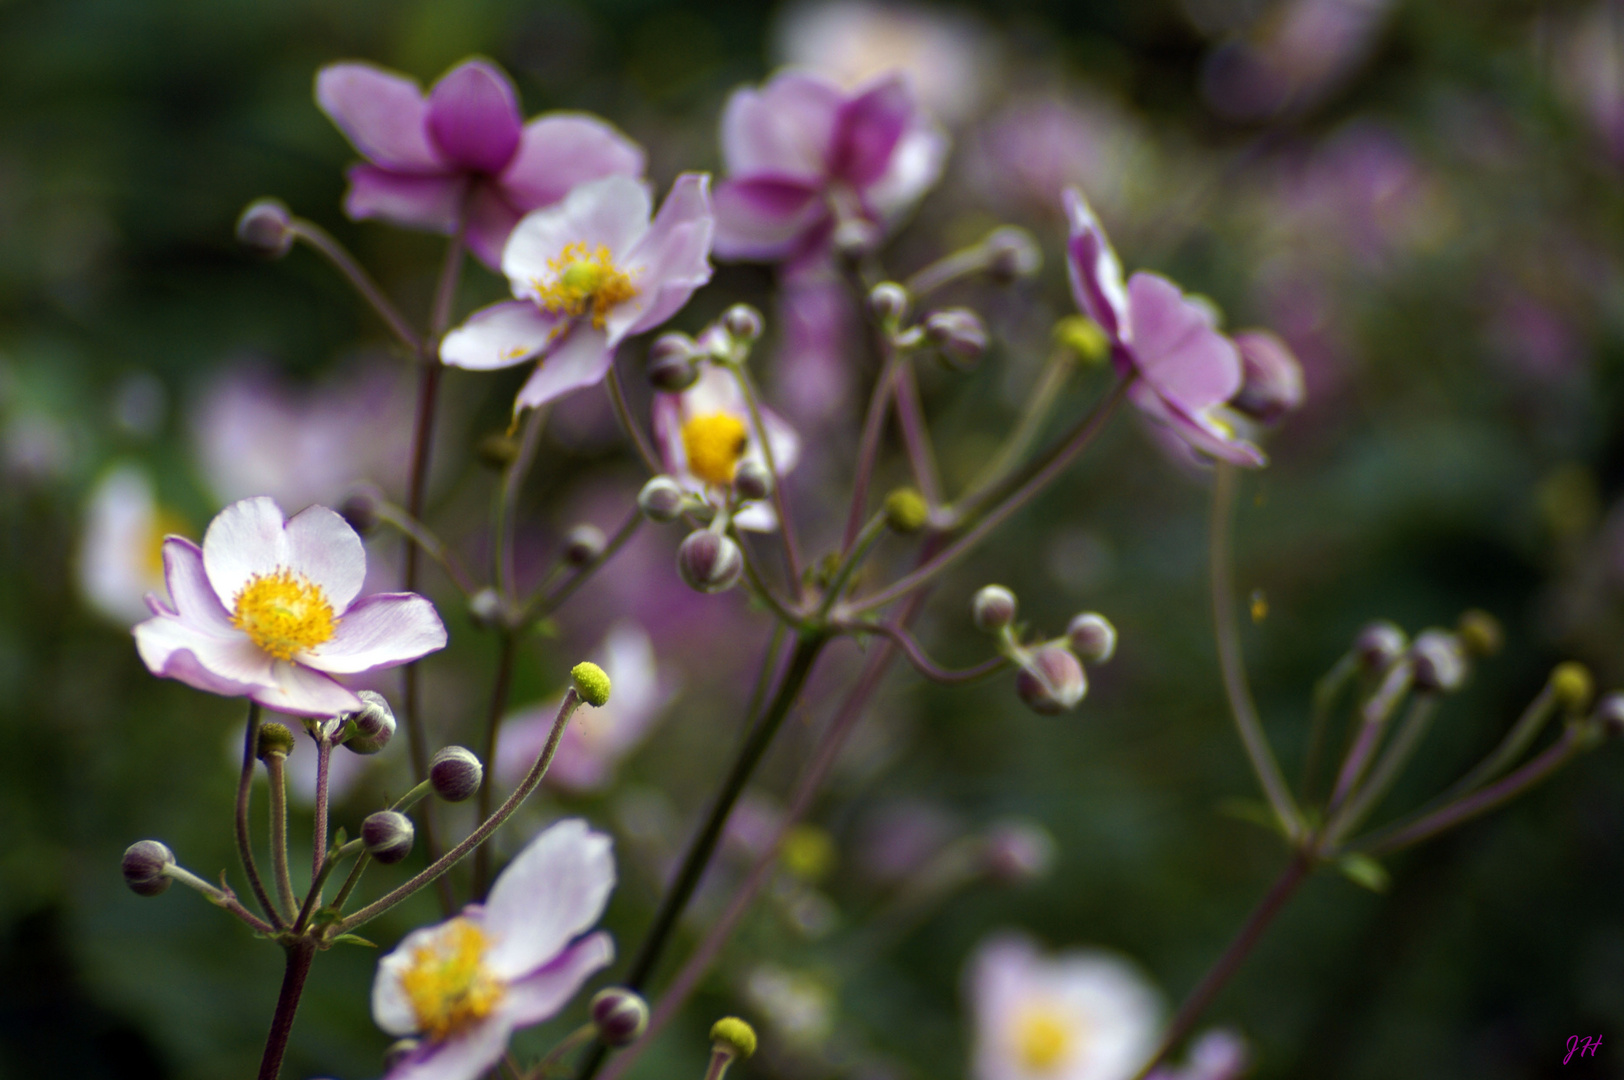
x,y
742,322
733,1034
709,562
1379,644
1093,638
591,683
485,607
855,237
1052,681
583,544
752,480
388,836
144,864
266,228
1480,632
1083,338
373,724
1272,379
1609,714
1012,254
619,1014
671,365
906,510
889,302
455,773
1572,686
1018,850
993,608
959,333
661,499
1439,659
360,510
497,450
274,739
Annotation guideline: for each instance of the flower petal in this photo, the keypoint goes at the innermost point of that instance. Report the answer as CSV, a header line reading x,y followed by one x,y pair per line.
x,y
174,648
491,218
671,260
466,1056
322,546
1176,348
553,890
612,212
784,128
763,218
499,336
537,996
867,129
581,358
1096,274
425,202
189,589
666,421
182,666
560,151
244,539
303,691
382,114
380,631
473,117
916,164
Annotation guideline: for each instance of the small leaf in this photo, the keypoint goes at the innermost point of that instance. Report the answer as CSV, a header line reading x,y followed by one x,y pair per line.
x,y
1252,812
1365,872
353,939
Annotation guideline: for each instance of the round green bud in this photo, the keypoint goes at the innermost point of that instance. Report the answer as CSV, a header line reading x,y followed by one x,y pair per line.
x,y
735,1035
591,683
742,322
1572,685
1480,632
274,739
906,510
1083,338
661,499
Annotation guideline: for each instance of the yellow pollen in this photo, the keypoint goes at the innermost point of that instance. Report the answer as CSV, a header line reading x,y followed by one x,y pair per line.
x,y
284,613
1042,1039
714,444
447,984
584,281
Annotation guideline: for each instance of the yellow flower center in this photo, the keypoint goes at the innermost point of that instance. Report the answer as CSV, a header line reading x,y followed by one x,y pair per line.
x,y
284,613
585,280
1043,1038
447,984
714,444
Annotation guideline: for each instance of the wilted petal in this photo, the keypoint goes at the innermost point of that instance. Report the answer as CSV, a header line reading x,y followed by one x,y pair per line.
x,y
381,630
499,336
784,128
245,539
552,891
473,117
321,546
1176,348
765,217
424,202
381,113
539,995
561,151
581,358
302,691
1096,274
867,130
612,212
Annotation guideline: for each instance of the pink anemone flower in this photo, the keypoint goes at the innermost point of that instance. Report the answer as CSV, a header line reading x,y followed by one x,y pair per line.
x,y
268,608
465,985
1187,371
804,156
588,273
464,144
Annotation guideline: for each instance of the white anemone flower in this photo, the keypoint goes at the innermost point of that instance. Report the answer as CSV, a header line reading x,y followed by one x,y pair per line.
x,y
121,553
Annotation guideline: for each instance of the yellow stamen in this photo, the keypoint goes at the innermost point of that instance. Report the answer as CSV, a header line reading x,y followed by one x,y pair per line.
x,y
1043,1039
714,443
284,613
585,280
448,984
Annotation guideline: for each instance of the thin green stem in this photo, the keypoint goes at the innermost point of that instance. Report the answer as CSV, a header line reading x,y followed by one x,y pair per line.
x,y
916,436
786,524
1039,404
634,431
507,503
867,537
350,882
324,758
1386,772
275,768
1326,692
868,448
324,244
946,270
1373,717
501,683
543,605
921,660
551,1063
432,546
1517,740
245,843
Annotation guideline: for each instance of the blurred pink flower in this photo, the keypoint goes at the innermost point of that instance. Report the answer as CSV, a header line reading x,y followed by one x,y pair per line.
x,y
464,144
268,608
120,557
804,156
1301,53
587,274
465,985
1218,1054
1032,149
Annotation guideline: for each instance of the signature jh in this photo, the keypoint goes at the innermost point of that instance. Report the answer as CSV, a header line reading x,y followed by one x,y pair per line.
x,y
1587,1044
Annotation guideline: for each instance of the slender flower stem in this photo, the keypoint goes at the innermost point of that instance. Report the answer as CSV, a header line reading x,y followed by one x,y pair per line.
x,y
300,953
554,1059
1522,733
1232,663
1373,718
786,524
275,767
1386,771
920,659
500,685
1056,370
324,759
486,828
855,554
318,882
507,503
220,896
763,591
634,431
916,436
245,844
946,270
1295,873
1326,692
361,863
868,448
335,253
432,546
542,606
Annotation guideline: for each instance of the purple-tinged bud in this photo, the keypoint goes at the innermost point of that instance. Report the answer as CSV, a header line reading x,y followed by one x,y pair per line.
x,y
1018,850
889,302
266,228
854,238
388,836
1480,633
583,544
274,739
144,864
661,499
497,450
1609,714
993,608
1439,660
398,1051
1012,254
485,608
959,333
1093,638
1052,681
373,725
709,562
752,480
1272,380
360,510
455,773
742,322
619,1014
1379,644
671,363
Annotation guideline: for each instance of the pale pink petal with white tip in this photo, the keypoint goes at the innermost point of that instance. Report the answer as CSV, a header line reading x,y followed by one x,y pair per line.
x,y
380,630
542,993
612,212
554,890
499,336
244,540
304,692
464,1056
581,358
323,547
670,260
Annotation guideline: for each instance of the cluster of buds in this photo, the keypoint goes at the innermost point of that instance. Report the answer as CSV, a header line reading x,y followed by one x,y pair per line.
x,y
1050,677
957,334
